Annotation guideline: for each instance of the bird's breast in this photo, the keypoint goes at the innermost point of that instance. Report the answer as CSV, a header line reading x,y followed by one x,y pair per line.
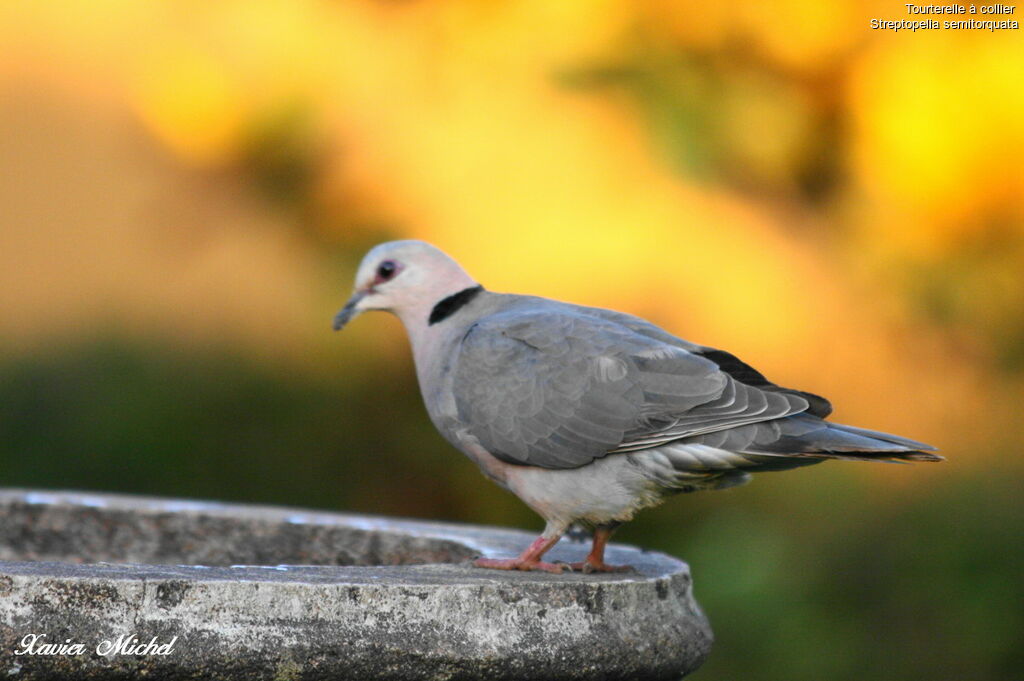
x,y
605,491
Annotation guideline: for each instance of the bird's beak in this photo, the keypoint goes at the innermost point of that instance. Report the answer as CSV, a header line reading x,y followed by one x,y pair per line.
x,y
347,313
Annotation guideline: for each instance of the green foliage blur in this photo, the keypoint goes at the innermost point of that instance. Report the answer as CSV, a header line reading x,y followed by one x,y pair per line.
x,y
810,574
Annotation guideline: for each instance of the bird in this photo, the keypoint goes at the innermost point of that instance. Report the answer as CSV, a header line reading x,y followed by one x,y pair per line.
x,y
586,414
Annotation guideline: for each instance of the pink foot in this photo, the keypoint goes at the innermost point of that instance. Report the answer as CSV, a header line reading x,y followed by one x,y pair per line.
x,y
588,567
518,564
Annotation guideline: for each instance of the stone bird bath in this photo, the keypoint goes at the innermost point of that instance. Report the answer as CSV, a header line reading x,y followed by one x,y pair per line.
x,y
254,592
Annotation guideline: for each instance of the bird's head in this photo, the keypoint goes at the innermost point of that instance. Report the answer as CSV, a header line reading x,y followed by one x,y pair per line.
x,y
404,277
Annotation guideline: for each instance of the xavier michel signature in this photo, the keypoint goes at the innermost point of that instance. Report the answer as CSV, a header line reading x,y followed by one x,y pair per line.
x,y
126,644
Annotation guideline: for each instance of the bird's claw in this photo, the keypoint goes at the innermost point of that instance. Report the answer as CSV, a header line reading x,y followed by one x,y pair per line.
x,y
587,567
519,564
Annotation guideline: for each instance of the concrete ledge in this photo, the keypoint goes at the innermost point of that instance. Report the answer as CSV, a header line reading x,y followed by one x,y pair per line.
x,y
258,592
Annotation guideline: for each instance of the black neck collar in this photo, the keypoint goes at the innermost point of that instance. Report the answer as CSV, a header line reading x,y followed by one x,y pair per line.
x,y
452,304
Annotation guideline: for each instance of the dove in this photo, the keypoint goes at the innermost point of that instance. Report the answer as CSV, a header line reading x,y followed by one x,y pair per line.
x,y
590,415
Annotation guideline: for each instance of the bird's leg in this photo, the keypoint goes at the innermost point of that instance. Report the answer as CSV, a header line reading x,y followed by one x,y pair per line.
x,y
594,561
528,559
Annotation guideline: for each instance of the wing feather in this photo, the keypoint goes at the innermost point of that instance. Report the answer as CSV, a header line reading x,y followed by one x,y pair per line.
x,y
559,388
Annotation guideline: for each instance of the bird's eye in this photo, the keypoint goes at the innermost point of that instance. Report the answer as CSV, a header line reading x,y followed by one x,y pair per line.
x,y
386,269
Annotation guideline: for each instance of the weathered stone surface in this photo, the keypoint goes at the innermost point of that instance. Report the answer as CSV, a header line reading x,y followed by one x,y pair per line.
x,y
273,593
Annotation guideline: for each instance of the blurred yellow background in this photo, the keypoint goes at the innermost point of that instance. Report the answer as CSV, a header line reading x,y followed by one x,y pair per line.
x,y
186,188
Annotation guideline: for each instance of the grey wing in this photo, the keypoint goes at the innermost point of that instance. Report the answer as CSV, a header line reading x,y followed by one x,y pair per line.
x,y
558,390
727,362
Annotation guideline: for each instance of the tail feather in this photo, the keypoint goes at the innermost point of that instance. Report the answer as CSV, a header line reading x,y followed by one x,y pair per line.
x,y
803,436
904,442
775,445
892,448
725,458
